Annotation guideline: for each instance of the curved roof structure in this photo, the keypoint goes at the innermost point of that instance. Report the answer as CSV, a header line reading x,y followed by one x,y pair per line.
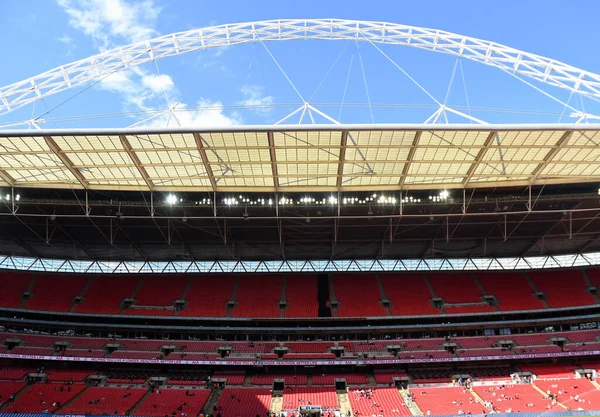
x,y
302,158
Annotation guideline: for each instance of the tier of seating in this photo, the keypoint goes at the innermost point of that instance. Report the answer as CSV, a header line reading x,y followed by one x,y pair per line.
x,y
165,402
358,295
505,345
298,396
447,401
518,398
104,400
408,294
44,398
244,401
379,401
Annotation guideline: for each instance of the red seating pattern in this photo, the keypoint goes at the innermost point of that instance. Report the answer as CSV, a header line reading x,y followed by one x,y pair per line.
x,y
258,300
358,295
233,378
110,401
325,397
66,375
290,379
564,288
549,371
208,296
55,292
409,294
505,400
159,291
386,377
244,401
7,388
105,294
447,401
329,379
40,397
383,401
511,289
456,288
164,402
301,295
11,288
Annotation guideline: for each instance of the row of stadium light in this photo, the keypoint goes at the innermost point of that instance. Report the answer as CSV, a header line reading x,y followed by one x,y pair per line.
x,y
7,197
172,199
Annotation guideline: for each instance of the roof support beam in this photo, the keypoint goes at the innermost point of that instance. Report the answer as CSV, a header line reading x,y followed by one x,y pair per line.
x,y
564,139
486,146
340,172
205,161
136,161
21,243
7,178
66,161
273,156
411,155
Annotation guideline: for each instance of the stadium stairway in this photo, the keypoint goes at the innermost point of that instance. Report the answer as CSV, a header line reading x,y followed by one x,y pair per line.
x,y
589,284
283,296
211,402
544,394
344,403
334,311
474,394
535,289
388,310
82,293
185,291
433,294
29,290
135,291
17,395
276,404
483,291
413,407
309,380
247,381
140,402
371,379
233,295
58,410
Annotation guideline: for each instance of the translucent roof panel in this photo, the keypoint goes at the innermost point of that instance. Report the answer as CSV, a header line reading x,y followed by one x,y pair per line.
x,y
280,158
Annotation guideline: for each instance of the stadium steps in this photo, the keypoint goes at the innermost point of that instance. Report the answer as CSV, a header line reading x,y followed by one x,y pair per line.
x,y
5,404
29,290
483,291
344,403
71,400
432,291
334,311
185,291
247,381
588,282
474,394
233,295
309,380
413,407
82,293
140,402
371,379
211,402
135,291
283,295
276,404
535,289
541,391
383,296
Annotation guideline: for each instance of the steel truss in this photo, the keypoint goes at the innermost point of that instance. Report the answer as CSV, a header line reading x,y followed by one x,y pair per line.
x,y
513,61
298,266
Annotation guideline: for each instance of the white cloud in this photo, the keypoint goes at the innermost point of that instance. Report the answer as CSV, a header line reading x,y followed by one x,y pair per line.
x,y
207,114
158,83
105,20
256,99
66,39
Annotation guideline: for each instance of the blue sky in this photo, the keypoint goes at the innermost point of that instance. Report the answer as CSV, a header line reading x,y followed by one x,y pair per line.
x,y
214,86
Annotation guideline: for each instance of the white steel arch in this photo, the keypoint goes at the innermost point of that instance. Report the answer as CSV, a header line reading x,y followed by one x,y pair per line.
x,y
508,59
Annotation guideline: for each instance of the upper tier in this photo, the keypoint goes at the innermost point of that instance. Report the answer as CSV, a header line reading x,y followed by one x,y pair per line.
x,y
300,295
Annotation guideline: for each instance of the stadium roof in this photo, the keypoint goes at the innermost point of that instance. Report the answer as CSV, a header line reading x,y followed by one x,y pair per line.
x,y
302,158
